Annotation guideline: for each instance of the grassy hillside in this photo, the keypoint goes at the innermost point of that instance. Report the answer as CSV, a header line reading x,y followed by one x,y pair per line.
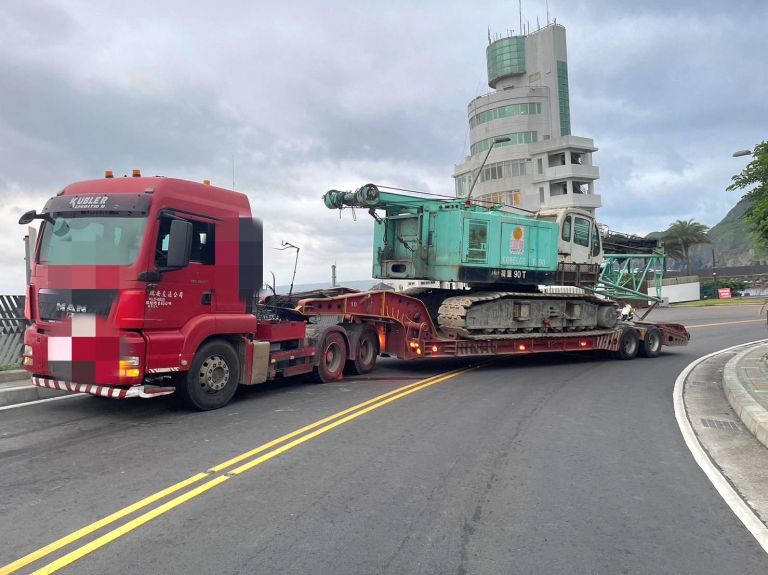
x,y
732,241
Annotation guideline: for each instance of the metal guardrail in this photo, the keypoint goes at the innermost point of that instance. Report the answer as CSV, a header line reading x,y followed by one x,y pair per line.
x,y
12,326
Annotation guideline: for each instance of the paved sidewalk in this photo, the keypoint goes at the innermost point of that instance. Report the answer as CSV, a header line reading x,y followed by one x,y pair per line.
x,y
745,382
16,387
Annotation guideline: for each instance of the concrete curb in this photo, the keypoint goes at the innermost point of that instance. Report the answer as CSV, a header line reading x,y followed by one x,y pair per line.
x,y
13,375
753,415
26,393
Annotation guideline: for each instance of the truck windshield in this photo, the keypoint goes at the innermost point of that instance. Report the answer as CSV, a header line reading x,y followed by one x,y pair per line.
x,y
91,241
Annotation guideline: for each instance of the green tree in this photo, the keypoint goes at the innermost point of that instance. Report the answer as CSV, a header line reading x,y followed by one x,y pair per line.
x,y
679,238
755,174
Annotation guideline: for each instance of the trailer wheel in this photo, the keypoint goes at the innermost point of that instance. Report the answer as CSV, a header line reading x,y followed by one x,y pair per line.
x,y
651,344
212,379
332,357
367,352
629,343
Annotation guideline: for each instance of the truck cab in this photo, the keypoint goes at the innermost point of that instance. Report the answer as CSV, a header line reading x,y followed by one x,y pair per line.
x,y
132,277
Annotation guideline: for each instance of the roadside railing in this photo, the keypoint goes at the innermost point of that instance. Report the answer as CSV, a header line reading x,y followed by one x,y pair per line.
x,y
12,326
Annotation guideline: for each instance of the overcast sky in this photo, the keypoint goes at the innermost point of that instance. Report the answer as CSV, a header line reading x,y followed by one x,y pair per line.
x,y
308,96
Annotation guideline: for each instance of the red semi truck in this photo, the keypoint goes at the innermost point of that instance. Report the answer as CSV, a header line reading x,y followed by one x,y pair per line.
x,y
147,286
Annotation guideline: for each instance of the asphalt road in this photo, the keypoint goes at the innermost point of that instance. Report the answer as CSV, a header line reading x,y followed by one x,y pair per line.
x,y
565,463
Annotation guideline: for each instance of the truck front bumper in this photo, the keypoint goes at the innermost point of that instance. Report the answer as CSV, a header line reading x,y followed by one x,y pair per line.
x,y
143,391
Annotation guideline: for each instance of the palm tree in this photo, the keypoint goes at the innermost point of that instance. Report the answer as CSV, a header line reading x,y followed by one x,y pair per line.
x,y
680,236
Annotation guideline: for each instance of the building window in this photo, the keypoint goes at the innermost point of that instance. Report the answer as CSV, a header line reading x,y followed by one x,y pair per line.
x,y
558,189
562,92
524,109
505,57
540,163
541,195
514,138
513,198
557,160
508,169
463,183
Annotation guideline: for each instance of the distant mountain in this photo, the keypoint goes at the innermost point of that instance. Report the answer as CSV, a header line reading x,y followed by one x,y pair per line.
x,y
732,241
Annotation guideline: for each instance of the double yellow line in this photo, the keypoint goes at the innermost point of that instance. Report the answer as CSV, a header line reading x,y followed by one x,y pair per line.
x,y
215,476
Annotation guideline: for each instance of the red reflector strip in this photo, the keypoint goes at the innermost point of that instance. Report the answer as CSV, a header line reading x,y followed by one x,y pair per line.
x,y
103,390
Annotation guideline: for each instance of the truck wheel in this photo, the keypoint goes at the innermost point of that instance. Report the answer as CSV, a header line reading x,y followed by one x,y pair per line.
x,y
332,356
367,352
629,344
651,344
212,379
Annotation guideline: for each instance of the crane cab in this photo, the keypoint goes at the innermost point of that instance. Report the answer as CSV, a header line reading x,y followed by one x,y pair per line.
x,y
579,238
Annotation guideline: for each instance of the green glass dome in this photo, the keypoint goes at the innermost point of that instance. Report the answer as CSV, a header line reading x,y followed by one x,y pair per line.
x,y
505,57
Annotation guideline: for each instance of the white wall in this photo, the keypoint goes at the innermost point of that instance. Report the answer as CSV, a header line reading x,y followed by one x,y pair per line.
x,y
680,292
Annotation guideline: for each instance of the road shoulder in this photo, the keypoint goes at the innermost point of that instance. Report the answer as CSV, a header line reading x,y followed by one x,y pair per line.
x,y
727,444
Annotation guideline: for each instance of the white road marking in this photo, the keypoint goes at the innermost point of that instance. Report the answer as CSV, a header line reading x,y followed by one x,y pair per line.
x,y
39,401
745,514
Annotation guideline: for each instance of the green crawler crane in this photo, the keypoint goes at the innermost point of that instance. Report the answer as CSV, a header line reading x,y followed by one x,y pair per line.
x,y
518,274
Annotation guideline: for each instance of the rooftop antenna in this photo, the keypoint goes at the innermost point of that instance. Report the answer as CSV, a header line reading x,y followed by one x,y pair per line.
x,y
233,171
547,2
520,12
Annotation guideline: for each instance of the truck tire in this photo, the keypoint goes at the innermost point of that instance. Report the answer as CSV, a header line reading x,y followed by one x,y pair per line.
x,y
367,352
332,357
651,344
629,344
212,379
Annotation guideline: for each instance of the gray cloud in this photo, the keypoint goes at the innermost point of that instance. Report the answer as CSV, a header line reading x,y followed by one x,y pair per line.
x,y
308,96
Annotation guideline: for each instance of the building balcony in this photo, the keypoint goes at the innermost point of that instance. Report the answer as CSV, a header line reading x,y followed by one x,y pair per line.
x,y
570,171
589,201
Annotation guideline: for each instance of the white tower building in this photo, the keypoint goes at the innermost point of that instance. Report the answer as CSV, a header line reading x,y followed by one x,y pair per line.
x,y
542,165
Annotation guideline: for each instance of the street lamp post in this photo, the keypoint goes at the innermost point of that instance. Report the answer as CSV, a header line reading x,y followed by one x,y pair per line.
x,y
499,140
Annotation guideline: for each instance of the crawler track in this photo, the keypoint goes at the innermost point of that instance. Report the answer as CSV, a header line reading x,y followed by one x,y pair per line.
x,y
495,315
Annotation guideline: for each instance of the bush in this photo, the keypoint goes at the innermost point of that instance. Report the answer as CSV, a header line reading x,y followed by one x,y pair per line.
x,y
708,287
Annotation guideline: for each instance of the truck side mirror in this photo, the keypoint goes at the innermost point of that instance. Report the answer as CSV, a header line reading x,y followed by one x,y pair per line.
x,y
179,244
28,217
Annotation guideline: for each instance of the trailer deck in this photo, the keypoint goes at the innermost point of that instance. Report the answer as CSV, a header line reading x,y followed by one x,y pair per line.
x,y
406,329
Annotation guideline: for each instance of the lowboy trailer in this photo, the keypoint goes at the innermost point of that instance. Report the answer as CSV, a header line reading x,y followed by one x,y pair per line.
x,y
401,326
